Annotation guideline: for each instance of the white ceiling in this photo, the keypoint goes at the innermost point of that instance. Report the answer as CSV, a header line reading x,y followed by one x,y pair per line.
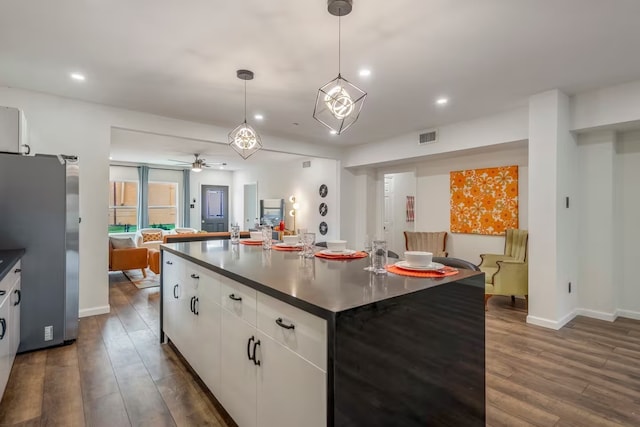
x,y
179,58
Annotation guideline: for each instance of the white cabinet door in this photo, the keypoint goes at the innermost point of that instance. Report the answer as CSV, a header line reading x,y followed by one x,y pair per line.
x,y
170,306
172,269
238,377
5,345
204,341
291,392
14,319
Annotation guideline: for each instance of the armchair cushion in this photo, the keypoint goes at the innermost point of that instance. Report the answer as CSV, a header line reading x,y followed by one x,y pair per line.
x,y
122,243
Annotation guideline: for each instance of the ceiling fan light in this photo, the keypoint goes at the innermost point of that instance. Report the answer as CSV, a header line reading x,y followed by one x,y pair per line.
x,y
195,167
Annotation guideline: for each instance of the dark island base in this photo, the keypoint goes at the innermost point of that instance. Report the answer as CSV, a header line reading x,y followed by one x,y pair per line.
x,y
414,360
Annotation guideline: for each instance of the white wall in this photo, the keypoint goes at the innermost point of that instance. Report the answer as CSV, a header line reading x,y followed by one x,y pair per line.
x,y
61,125
553,228
629,229
433,196
597,286
567,218
505,127
606,106
279,181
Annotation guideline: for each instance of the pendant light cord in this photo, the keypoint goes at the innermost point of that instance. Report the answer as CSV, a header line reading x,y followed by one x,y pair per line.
x,y
245,101
339,38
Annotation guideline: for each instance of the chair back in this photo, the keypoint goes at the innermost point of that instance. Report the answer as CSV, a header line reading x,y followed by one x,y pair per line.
x,y
515,244
456,263
429,241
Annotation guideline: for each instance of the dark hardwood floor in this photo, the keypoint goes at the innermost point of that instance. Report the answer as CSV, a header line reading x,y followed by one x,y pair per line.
x,y
117,374
586,374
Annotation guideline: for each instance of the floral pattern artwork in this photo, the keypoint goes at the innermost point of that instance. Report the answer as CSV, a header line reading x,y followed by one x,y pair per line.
x,y
484,201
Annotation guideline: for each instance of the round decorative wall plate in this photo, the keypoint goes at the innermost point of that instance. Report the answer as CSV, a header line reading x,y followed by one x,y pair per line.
x,y
323,228
324,190
323,209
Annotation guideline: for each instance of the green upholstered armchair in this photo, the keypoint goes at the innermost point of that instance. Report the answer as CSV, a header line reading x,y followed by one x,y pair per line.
x,y
508,273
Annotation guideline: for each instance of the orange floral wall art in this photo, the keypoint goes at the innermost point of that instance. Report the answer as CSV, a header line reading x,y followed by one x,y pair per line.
x,y
484,201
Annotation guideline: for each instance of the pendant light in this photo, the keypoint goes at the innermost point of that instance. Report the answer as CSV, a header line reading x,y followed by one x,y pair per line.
x,y
244,139
339,102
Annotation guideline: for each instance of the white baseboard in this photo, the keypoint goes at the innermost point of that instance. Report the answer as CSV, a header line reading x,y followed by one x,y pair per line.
x,y
594,314
94,311
629,314
551,324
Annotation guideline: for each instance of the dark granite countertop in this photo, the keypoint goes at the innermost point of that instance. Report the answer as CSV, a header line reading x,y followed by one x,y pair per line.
x,y
7,260
320,286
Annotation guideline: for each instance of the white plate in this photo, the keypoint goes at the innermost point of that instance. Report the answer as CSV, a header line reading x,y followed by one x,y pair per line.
x,y
345,252
405,266
287,245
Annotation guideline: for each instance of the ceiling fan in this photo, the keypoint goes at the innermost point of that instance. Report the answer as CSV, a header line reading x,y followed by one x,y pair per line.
x,y
198,164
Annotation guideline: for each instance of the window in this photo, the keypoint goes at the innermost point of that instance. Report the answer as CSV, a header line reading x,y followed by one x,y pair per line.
x,y
123,206
163,201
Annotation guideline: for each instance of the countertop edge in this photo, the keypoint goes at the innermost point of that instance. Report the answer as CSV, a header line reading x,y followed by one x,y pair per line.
x,y
9,257
296,302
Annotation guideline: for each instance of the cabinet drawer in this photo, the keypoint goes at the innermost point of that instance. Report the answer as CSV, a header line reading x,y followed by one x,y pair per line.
x,y
205,282
9,280
296,329
172,268
238,299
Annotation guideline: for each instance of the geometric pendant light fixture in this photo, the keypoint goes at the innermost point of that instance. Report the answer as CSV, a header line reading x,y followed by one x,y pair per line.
x,y
244,139
339,102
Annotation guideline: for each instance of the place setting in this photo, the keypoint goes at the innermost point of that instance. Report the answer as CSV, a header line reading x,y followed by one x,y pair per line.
x,y
337,250
289,243
255,239
420,264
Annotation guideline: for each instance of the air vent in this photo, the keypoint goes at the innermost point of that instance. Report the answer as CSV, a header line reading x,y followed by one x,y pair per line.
x,y
428,137
306,164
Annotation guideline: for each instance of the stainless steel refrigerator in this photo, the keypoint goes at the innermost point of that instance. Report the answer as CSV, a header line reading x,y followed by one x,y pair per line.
x,y
39,212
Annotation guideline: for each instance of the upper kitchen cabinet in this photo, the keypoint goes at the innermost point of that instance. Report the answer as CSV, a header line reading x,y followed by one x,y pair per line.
x,y
14,136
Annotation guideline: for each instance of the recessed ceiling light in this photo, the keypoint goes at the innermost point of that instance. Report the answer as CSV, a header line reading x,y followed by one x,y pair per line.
x,y
258,117
110,158
333,132
442,101
365,72
78,76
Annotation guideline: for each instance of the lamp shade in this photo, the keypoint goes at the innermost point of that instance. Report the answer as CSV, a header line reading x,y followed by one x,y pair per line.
x,y
338,104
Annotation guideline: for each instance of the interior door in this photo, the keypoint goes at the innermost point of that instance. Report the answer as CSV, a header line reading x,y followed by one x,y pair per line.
x,y
215,208
388,211
250,206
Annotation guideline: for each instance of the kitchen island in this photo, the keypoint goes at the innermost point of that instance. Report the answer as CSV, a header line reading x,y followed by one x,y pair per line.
x,y
10,298
286,341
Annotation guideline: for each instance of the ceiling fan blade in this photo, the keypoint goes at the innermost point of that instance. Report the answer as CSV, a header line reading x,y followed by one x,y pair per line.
x,y
180,161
